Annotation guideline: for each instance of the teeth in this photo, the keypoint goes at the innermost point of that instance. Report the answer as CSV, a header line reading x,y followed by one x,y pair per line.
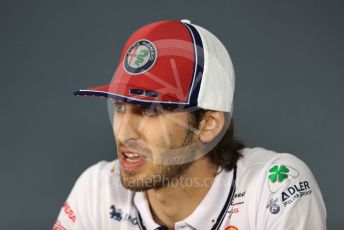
x,y
131,154
133,160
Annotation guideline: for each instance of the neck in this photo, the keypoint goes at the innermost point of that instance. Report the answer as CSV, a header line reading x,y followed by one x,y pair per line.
x,y
177,201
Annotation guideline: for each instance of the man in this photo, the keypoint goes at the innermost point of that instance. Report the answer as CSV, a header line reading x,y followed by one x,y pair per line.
x,y
179,165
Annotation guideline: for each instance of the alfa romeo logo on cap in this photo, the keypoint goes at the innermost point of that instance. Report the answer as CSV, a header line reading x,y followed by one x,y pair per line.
x,y
140,57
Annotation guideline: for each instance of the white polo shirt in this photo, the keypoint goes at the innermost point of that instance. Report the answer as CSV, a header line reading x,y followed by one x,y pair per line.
x,y
200,218
267,190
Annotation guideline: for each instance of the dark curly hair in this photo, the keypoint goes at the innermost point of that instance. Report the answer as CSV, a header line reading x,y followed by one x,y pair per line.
x,y
227,151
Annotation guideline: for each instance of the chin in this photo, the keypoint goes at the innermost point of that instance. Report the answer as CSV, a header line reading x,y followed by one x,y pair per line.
x,y
139,182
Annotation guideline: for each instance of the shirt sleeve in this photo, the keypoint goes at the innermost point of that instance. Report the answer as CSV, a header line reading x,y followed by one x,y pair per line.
x,y
290,197
76,213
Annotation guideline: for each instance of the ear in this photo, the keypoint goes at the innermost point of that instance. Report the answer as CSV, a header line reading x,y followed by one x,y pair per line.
x,y
211,125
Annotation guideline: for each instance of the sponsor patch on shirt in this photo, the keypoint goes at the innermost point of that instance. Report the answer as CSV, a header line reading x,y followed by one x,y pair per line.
x,y
69,212
278,174
58,226
273,206
288,196
231,228
295,192
118,215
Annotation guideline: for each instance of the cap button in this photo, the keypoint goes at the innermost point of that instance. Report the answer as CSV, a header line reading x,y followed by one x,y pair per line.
x,y
186,21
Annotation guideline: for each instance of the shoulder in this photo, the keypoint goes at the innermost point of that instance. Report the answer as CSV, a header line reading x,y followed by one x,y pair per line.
x,y
100,172
279,188
260,167
261,156
102,181
95,198
256,161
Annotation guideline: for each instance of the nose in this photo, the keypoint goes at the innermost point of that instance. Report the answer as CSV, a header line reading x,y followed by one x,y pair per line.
x,y
125,127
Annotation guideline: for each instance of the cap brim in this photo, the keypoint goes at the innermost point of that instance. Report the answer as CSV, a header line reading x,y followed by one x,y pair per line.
x,y
99,91
103,91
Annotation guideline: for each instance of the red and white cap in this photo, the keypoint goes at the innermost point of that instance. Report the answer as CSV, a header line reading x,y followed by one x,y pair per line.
x,y
172,64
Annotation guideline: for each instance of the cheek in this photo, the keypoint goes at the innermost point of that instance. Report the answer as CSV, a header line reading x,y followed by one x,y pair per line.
x,y
165,132
153,134
117,122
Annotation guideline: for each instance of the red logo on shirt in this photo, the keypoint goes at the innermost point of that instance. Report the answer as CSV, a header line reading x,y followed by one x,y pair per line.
x,y
58,226
231,228
69,212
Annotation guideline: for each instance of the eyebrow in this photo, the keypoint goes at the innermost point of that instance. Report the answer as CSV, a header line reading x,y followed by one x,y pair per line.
x,y
134,108
138,108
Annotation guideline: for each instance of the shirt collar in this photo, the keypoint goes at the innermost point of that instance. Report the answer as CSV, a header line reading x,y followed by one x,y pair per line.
x,y
205,214
141,203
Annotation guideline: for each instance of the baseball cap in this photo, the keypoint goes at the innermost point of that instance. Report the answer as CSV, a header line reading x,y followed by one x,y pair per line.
x,y
172,64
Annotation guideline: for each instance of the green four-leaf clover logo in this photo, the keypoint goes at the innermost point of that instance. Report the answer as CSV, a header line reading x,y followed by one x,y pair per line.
x,y
278,173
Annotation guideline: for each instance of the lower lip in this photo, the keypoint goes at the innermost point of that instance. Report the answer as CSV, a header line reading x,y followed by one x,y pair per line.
x,y
131,165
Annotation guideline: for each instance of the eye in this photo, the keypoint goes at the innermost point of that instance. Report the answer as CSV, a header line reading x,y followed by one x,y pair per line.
x,y
119,106
150,111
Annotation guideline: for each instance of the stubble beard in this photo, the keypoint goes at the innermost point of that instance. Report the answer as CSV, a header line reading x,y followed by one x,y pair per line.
x,y
161,175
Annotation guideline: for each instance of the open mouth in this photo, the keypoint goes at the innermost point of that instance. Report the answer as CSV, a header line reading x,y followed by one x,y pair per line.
x,y
131,159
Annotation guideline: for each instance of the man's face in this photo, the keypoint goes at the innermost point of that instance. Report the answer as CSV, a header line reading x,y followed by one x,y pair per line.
x,y
153,145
